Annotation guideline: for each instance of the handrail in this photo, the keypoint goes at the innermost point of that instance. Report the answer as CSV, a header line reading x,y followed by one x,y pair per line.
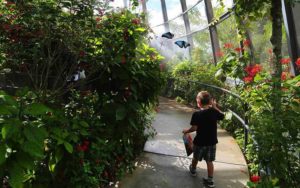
x,y
244,121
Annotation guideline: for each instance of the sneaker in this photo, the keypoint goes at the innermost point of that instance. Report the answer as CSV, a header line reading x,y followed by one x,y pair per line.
x,y
208,183
192,171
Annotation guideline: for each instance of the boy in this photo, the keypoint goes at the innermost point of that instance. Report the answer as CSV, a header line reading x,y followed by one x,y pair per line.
x,y
204,122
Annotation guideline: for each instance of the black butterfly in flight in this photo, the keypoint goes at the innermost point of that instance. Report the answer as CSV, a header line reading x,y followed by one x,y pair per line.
x,y
182,44
168,35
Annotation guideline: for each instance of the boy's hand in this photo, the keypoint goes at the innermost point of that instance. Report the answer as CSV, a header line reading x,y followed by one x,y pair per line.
x,y
214,103
185,131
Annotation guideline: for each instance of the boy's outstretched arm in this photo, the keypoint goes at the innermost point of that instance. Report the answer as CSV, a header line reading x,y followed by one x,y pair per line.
x,y
192,129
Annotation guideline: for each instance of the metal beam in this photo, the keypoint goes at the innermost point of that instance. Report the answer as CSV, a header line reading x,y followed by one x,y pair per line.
x,y
290,28
212,29
187,25
165,15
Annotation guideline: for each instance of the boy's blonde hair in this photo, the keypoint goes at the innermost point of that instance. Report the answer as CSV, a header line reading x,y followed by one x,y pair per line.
x,y
204,97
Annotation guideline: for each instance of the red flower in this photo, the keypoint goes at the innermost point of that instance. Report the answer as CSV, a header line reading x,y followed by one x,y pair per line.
x,y
136,21
284,75
254,179
228,45
285,61
270,51
162,66
81,53
86,142
220,54
98,19
252,70
123,60
238,49
248,79
247,42
298,63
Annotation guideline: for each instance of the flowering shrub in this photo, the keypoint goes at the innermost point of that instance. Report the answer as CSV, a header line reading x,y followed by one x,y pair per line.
x,y
74,133
274,127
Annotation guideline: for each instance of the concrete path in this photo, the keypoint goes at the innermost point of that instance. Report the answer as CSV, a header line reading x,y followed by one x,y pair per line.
x,y
159,167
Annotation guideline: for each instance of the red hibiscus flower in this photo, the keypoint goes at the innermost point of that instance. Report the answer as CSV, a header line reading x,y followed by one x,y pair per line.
x,y
255,179
81,54
220,54
284,75
136,21
298,63
238,49
285,61
246,42
123,60
252,70
248,79
228,45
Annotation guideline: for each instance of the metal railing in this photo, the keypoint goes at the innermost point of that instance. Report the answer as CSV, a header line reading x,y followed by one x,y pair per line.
x,y
243,120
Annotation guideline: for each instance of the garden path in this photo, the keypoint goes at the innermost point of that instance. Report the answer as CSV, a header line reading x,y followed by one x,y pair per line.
x,y
158,167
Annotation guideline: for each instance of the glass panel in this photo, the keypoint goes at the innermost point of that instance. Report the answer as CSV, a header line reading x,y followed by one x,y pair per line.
x,y
173,8
177,27
296,14
227,32
202,52
218,9
197,17
154,11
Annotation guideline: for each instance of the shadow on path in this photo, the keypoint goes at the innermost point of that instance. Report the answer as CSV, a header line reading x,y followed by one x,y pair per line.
x,y
160,166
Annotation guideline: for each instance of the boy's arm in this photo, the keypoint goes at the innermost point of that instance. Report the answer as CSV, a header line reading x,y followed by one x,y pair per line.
x,y
221,114
192,129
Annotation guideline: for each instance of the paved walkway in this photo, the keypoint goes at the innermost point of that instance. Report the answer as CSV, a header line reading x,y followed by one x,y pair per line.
x,y
159,168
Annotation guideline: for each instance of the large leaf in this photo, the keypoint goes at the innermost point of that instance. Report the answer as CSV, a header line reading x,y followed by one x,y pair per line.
x,y
120,113
36,109
16,176
33,149
35,134
8,131
68,147
25,160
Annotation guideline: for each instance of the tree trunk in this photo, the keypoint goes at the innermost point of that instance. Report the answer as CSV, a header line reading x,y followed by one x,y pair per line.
x,y
276,40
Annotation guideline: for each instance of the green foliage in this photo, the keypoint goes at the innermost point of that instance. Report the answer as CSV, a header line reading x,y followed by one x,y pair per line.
x,y
183,78
53,135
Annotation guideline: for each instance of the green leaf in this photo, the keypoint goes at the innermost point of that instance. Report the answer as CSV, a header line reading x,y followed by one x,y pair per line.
x,y
36,109
4,110
84,124
16,176
68,147
120,113
35,134
25,160
2,153
140,29
8,131
59,153
33,149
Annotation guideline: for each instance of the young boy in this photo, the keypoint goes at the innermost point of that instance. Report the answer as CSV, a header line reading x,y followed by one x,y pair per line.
x,y
204,122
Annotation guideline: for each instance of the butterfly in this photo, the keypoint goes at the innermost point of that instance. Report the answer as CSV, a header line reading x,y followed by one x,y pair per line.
x,y
182,44
168,35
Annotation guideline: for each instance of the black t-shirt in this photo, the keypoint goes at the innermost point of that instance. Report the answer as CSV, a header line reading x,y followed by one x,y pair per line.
x,y
206,122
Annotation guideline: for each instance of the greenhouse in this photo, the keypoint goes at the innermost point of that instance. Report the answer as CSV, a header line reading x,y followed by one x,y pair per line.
x,y
149,93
